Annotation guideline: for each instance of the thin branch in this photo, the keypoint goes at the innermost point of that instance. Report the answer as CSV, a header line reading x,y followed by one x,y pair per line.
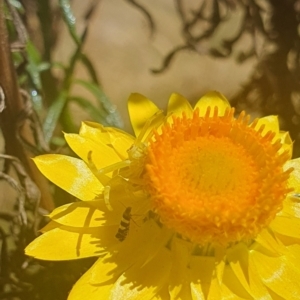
x,y
146,13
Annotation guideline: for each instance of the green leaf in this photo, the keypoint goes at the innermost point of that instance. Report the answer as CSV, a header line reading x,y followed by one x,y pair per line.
x,y
37,101
89,66
69,19
58,141
58,65
34,61
53,115
18,59
44,66
95,114
33,53
112,118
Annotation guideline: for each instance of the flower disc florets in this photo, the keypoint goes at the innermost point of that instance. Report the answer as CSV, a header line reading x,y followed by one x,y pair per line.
x,y
215,178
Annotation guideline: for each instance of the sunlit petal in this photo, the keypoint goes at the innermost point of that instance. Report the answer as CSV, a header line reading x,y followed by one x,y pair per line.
x,y
272,270
178,105
119,140
140,110
270,123
287,142
66,243
84,290
101,154
212,99
143,281
71,174
286,226
180,278
80,214
232,288
294,180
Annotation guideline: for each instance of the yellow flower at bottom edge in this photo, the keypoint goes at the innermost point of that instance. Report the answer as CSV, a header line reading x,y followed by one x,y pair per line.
x,y
201,205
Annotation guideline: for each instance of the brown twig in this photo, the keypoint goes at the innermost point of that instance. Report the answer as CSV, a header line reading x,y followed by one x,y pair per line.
x,y
14,106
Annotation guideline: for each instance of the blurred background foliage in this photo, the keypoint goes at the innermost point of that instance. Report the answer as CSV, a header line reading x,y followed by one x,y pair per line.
x,y
52,53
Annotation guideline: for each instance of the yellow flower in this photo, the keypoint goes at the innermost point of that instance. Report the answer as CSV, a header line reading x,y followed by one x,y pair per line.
x,y
201,205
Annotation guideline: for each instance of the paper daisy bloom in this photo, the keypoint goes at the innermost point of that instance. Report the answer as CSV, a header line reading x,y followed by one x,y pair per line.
x,y
201,204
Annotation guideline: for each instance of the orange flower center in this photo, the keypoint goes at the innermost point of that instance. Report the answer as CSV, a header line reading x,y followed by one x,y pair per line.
x,y
215,178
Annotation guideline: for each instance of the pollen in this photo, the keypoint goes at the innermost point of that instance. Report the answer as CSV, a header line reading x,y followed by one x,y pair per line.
x,y
216,179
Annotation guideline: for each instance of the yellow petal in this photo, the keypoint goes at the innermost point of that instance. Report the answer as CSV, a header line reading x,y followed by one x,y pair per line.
x,y
293,254
141,245
102,155
267,241
232,288
294,180
121,142
212,99
143,281
153,123
202,270
258,289
178,104
291,207
118,139
139,251
287,143
70,174
140,110
215,291
220,256
163,294
278,274
270,123
107,269
179,285
196,291
66,243
286,226
205,283
237,257
95,132
80,214
84,290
